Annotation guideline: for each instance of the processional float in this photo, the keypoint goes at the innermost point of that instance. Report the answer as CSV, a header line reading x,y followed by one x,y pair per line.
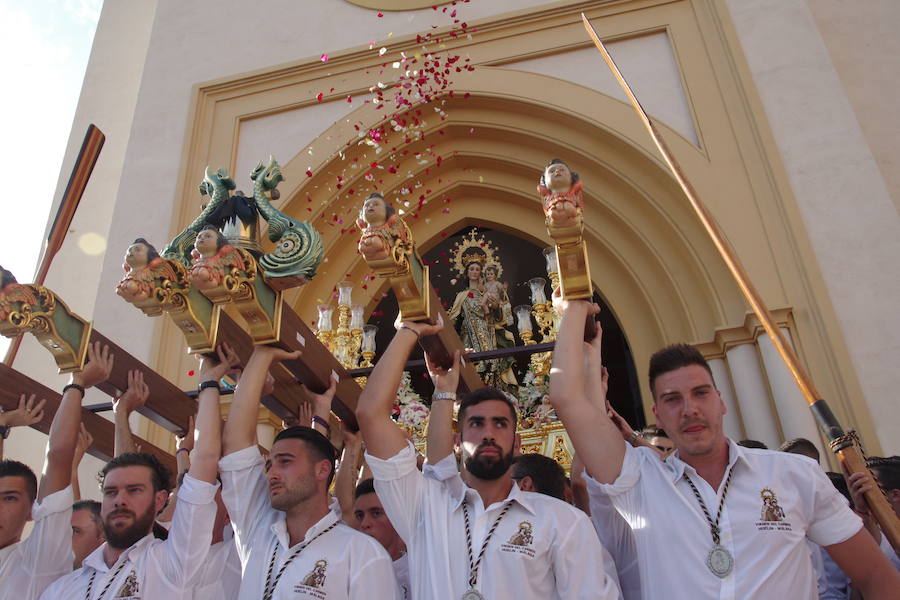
x,y
844,445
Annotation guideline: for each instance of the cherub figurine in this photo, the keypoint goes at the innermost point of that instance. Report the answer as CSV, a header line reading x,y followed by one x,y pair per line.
x,y
560,189
211,254
380,226
494,294
143,265
12,291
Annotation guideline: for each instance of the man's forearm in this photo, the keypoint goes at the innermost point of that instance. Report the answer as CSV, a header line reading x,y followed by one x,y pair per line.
x,y
124,442
61,446
208,446
439,436
240,429
345,480
383,438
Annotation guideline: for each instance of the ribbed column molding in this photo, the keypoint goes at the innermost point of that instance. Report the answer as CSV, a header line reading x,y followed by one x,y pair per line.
x,y
793,411
732,423
752,391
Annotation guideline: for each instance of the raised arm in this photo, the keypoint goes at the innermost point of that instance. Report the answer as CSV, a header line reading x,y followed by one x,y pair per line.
x,y
321,408
204,464
594,436
382,436
347,474
439,437
135,397
26,414
85,441
64,429
240,429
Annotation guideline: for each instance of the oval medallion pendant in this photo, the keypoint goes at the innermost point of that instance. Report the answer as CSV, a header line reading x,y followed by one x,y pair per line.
x,y
472,595
720,561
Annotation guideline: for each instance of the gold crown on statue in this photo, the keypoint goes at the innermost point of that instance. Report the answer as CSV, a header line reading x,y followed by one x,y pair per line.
x,y
474,248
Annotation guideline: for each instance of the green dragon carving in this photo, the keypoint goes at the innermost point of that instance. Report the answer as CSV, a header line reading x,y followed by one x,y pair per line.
x,y
298,250
215,185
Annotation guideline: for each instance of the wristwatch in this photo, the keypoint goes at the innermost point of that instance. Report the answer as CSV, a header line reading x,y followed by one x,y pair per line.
x,y
209,384
444,396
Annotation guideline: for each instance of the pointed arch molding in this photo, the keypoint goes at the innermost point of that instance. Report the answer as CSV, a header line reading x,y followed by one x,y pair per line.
x,y
650,257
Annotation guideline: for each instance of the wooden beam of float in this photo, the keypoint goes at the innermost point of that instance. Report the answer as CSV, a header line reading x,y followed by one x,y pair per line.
x,y
389,249
215,264
842,444
13,383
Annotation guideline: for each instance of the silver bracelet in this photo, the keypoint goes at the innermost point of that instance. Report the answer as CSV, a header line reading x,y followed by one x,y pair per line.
x,y
444,396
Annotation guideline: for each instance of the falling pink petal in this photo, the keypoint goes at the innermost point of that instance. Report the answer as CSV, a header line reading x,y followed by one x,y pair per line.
x,y
319,97
324,58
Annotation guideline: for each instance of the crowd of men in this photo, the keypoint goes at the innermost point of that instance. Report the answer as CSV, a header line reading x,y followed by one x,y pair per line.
x,y
677,510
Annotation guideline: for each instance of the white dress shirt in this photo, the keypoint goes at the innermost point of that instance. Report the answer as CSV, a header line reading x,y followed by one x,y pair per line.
x,y
29,566
771,559
151,568
542,549
341,564
617,538
401,573
220,578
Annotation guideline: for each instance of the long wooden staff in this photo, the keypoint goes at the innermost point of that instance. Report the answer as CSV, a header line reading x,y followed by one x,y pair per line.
x,y
81,173
842,444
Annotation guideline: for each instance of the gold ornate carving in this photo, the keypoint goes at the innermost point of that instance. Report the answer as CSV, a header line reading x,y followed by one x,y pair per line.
x,y
35,309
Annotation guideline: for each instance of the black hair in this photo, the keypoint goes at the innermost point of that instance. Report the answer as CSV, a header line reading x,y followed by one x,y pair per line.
x,y
481,395
315,441
366,486
89,505
548,476
151,250
801,446
558,161
752,444
840,484
888,471
160,475
13,468
674,357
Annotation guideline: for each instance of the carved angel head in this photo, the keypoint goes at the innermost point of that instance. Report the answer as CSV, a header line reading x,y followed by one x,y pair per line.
x,y
139,254
558,178
209,241
375,211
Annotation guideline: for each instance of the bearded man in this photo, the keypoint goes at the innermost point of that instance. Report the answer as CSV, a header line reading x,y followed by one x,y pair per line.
x,y
462,533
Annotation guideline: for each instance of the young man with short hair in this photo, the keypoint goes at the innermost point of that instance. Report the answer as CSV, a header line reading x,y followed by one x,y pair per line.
x,y
87,529
27,567
134,488
370,518
292,542
736,518
479,536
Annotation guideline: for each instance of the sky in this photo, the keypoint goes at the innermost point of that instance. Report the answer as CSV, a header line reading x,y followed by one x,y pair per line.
x,y
44,51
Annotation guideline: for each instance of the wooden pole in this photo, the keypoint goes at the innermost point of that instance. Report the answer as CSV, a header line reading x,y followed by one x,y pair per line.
x,y
842,444
81,173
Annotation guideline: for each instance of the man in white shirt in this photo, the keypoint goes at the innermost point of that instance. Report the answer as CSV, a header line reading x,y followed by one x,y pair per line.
x,y
134,486
291,542
370,518
736,518
87,529
28,567
487,538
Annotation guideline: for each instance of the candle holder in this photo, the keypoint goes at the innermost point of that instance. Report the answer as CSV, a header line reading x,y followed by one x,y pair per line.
x,y
324,330
552,267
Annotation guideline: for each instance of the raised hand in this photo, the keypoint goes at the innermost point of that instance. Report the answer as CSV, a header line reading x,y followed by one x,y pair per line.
x,y
135,396
445,380
28,413
85,441
98,368
214,370
421,328
305,414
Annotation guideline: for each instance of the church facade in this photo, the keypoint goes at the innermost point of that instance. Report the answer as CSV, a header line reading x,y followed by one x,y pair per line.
x,y
767,105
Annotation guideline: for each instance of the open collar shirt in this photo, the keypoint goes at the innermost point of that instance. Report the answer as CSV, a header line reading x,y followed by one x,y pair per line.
x,y
342,564
542,549
774,503
29,566
151,568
